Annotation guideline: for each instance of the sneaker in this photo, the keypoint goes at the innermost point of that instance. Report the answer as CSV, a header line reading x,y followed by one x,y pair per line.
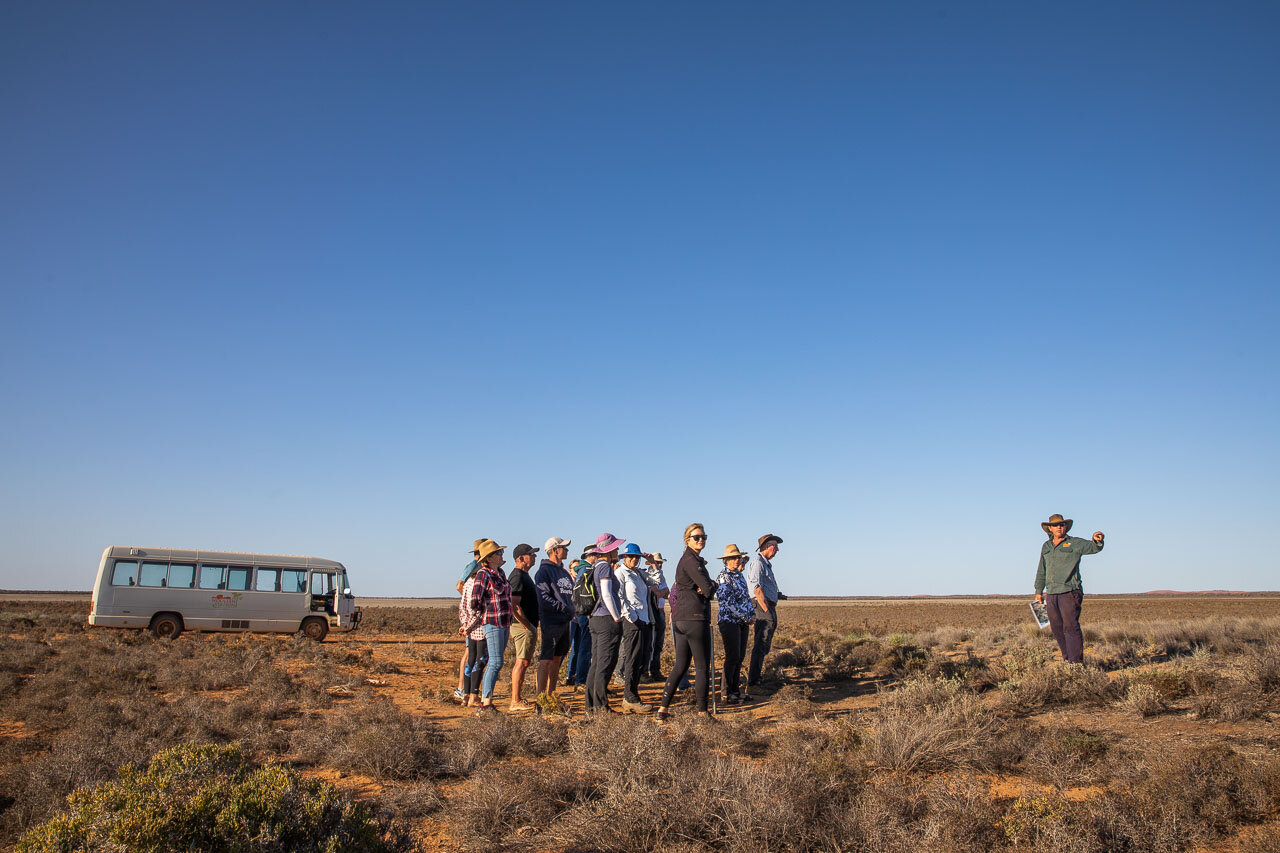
x,y
731,700
637,707
459,695
487,711
520,707
663,715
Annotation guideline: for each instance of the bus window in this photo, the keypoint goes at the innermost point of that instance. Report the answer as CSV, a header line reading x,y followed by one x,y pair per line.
x,y
293,580
211,577
153,574
268,580
182,575
238,577
125,572
321,584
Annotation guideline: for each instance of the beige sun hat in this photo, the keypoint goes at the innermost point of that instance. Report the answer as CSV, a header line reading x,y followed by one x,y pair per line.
x,y
1056,519
488,547
731,551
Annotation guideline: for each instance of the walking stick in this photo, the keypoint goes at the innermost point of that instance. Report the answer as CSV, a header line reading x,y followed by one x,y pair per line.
x,y
712,673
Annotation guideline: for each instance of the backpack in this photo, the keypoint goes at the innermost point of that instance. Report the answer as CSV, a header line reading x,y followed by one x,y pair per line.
x,y
585,596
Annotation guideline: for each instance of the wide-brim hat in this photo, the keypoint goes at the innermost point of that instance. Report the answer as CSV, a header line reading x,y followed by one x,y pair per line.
x,y
731,551
1056,519
763,541
632,550
475,546
605,543
655,557
488,547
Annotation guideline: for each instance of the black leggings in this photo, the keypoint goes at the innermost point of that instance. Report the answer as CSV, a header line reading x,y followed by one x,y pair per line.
x,y
477,658
734,635
693,643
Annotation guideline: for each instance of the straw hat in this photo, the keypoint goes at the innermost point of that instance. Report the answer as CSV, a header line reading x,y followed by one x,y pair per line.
x,y
475,546
488,547
1056,519
655,557
731,551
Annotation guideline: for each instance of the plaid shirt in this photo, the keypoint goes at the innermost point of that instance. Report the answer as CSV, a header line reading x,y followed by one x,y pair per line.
x,y
491,597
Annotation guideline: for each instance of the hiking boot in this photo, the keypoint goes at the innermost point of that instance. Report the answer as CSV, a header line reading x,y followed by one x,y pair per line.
x,y
663,715
636,707
520,707
731,699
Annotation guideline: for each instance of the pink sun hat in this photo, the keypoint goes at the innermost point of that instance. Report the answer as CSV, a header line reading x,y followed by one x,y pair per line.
x,y
607,542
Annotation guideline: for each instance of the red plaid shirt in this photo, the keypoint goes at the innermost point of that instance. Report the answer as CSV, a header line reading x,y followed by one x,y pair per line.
x,y
491,597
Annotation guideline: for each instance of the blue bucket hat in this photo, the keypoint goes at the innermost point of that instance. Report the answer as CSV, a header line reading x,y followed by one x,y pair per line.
x,y
631,550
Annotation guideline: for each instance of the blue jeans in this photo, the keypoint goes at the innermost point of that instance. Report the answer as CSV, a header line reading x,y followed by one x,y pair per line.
x,y
496,639
580,653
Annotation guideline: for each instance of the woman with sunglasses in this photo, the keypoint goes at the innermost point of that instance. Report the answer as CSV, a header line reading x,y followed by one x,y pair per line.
x,y
691,618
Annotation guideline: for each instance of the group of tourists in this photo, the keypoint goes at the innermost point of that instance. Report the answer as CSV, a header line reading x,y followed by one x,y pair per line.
x,y
605,611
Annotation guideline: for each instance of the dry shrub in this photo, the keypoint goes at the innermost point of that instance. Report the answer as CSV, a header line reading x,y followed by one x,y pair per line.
x,y
930,724
1198,797
510,806
372,737
1032,689
1068,757
1263,839
794,702
919,813
1145,700
475,744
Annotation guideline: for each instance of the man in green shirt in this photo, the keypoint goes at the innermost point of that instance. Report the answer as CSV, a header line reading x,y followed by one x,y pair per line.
x,y
1059,574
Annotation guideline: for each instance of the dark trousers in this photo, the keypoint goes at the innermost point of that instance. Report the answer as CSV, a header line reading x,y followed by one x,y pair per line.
x,y
605,637
657,637
579,650
477,659
766,624
634,637
734,635
1064,621
693,645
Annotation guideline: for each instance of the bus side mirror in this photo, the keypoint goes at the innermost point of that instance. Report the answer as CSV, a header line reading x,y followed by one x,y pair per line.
x,y
347,591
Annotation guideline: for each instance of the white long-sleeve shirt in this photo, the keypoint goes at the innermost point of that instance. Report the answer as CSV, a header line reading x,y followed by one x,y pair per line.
x,y
633,594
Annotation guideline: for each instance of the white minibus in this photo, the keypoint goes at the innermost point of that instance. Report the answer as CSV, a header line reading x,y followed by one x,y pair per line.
x,y
169,590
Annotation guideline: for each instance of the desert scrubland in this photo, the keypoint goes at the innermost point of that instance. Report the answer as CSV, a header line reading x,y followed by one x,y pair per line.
x,y
939,724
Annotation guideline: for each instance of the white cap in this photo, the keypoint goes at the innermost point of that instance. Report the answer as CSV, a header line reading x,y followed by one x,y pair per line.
x,y
555,542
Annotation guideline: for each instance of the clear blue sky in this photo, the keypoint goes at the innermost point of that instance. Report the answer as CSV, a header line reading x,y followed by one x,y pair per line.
x,y
895,281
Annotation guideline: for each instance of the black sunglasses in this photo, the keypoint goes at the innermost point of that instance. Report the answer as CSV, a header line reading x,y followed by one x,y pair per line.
x,y
702,538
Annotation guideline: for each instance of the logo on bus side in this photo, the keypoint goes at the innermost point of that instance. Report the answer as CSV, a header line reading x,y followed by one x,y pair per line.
x,y
221,600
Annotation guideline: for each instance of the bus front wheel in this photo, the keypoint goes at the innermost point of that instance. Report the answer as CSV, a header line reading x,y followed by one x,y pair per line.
x,y
315,628
166,626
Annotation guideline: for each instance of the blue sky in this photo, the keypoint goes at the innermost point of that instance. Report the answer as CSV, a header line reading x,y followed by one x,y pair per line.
x,y
894,281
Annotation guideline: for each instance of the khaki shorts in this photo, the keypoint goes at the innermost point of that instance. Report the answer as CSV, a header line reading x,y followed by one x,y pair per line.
x,y
523,641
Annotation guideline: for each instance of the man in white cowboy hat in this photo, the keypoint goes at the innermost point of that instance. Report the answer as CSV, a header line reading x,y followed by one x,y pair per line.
x,y
1058,572
763,588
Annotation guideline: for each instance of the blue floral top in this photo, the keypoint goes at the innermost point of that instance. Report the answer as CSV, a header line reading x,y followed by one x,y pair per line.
x,y
735,604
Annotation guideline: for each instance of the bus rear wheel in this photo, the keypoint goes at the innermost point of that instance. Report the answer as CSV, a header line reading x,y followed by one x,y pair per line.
x,y
166,626
315,628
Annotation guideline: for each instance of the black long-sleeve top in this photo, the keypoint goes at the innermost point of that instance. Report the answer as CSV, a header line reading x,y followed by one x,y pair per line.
x,y
694,589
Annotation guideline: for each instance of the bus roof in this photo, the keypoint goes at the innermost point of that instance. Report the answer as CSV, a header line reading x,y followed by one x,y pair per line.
x,y
294,560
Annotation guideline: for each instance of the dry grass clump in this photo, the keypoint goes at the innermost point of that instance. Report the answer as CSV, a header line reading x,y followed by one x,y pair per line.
x,y
1066,757
1032,686
372,737
929,725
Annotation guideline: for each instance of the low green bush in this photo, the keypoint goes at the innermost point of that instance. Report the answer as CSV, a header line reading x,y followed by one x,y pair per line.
x,y
209,798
